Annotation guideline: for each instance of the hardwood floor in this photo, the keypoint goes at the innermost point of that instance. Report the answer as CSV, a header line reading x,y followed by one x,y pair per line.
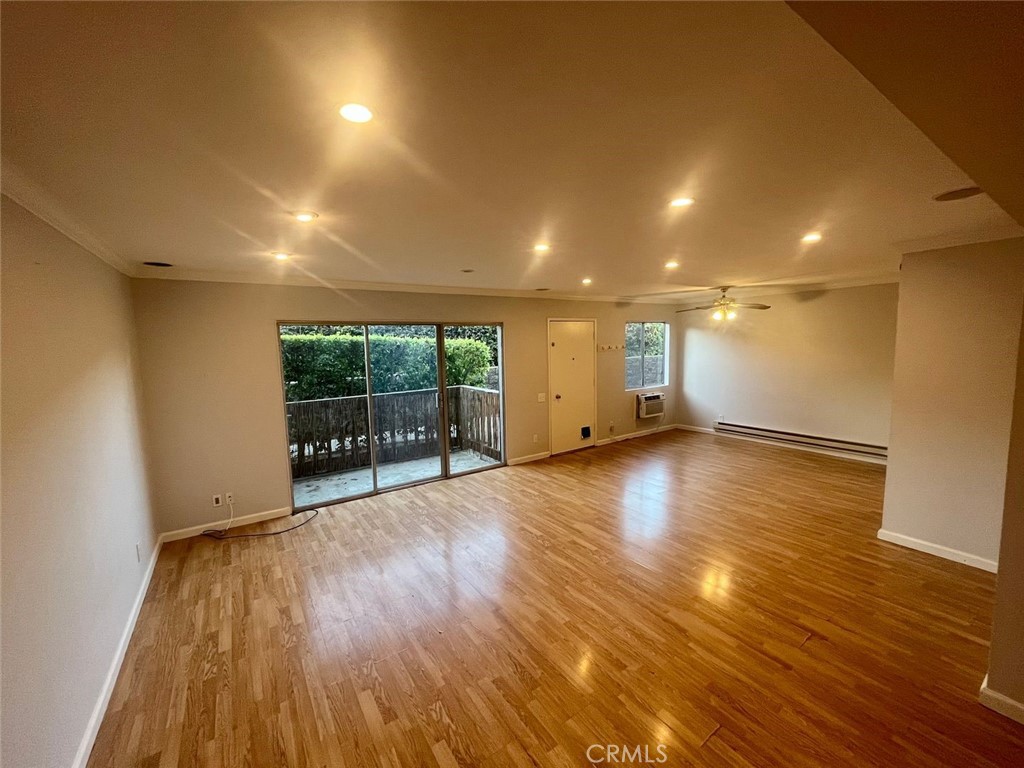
x,y
724,599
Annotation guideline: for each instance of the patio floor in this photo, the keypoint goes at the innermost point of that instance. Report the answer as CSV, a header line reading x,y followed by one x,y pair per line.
x,y
325,488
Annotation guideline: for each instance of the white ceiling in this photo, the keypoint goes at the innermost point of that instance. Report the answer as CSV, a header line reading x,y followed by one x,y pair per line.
x,y
185,133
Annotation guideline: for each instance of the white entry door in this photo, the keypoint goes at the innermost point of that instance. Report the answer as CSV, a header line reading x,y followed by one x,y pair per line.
x,y
571,384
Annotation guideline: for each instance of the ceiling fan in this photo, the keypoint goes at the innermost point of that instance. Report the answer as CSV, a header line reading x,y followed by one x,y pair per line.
x,y
725,307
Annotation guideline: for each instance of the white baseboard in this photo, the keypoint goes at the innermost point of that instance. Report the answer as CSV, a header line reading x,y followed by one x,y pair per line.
x,y
691,428
1000,703
525,459
638,433
89,738
98,711
937,549
195,530
781,444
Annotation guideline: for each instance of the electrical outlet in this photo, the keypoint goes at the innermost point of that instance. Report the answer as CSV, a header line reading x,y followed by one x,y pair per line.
x,y
229,497
611,428
218,501
536,439
138,551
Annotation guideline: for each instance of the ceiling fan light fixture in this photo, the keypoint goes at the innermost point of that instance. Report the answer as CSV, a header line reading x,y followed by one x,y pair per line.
x,y
717,315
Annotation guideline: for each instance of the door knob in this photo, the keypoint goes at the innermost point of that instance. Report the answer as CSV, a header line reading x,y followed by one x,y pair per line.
x,y
558,397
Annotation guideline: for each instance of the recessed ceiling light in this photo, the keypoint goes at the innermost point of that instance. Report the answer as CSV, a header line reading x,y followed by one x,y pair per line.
x,y
157,264
672,264
356,113
280,255
812,237
681,202
541,247
586,281
957,194
305,216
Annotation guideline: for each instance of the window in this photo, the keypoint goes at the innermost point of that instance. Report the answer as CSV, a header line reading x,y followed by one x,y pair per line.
x,y
646,355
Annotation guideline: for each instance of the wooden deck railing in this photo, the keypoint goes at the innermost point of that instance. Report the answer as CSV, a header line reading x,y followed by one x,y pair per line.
x,y
332,435
475,416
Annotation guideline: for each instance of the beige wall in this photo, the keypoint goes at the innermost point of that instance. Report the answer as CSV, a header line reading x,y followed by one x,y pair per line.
x,y
956,364
212,379
1006,662
75,498
819,363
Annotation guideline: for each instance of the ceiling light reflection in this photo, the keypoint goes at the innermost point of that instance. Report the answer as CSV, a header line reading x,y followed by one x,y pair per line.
x,y
583,665
715,585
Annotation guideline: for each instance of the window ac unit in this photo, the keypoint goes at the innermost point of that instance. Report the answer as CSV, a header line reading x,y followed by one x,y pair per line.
x,y
650,404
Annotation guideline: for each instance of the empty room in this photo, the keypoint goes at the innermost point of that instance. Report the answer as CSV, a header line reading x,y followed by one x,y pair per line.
x,y
511,384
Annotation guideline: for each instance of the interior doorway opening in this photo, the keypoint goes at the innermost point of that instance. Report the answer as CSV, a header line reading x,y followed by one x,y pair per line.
x,y
374,407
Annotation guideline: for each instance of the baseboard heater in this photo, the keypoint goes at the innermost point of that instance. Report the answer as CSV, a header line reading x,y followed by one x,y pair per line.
x,y
796,438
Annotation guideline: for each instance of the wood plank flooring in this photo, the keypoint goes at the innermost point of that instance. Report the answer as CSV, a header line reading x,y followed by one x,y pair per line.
x,y
723,599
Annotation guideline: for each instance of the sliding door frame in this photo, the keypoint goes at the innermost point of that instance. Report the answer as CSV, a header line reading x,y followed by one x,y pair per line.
x,y
444,429
371,417
444,426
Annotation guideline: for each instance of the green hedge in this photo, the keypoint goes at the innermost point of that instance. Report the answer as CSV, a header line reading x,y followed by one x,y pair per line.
x,y
318,366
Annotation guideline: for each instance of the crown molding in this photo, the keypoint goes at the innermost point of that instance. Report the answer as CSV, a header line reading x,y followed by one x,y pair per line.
x,y
303,281
40,202
987,235
800,285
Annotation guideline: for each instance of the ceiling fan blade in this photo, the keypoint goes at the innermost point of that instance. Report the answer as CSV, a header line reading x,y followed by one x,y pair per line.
x,y
691,309
753,306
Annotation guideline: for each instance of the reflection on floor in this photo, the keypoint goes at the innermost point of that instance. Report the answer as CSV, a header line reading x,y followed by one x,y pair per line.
x,y
317,490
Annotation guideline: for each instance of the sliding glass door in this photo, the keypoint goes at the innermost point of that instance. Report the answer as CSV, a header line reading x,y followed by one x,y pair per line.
x,y
376,407
406,403
327,412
